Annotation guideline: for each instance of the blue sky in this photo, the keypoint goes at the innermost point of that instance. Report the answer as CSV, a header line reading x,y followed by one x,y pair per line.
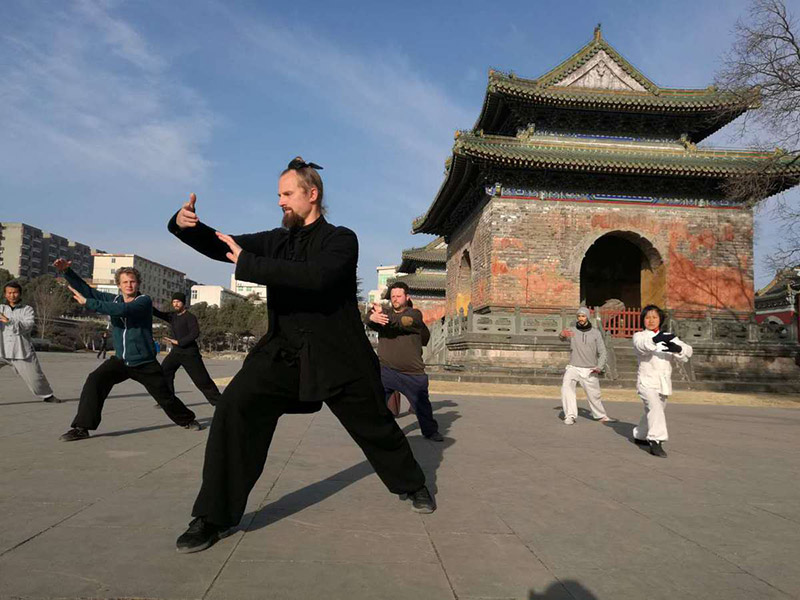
x,y
111,112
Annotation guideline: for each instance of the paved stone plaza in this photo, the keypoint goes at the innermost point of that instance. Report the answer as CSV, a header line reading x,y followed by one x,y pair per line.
x,y
528,508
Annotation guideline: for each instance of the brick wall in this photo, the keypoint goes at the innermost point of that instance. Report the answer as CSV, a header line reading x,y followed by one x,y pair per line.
x,y
528,253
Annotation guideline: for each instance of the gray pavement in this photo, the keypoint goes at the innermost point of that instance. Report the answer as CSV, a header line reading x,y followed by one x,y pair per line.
x,y
528,508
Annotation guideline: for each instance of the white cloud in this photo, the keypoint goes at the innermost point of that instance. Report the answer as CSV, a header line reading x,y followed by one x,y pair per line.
x,y
81,92
380,93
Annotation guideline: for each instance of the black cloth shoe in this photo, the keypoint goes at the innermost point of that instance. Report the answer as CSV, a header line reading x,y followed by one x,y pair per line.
x,y
199,536
75,434
657,450
193,426
435,437
52,399
422,501
640,442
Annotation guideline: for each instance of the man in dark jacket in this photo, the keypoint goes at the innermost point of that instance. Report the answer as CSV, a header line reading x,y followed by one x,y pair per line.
x,y
185,351
135,357
315,351
401,335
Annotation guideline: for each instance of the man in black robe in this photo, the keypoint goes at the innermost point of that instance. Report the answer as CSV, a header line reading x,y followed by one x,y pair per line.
x,y
315,351
185,351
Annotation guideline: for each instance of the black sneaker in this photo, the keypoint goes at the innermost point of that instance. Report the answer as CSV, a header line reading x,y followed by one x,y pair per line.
x,y
75,434
640,442
199,536
435,437
657,450
52,399
193,426
422,501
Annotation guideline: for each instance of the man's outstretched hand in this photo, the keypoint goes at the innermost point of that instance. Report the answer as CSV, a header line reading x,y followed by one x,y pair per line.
x,y
79,298
236,249
62,264
377,315
187,215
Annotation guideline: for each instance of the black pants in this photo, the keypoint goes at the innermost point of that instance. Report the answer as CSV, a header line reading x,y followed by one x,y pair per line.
x,y
113,371
415,388
102,351
245,420
195,369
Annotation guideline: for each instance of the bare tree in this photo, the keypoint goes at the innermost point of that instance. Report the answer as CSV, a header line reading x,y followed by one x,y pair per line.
x,y
766,57
49,299
765,60
88,330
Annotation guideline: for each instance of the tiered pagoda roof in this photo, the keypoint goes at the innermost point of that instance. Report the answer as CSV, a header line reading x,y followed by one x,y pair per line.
x,y
423,269
602,92
781,291
595,120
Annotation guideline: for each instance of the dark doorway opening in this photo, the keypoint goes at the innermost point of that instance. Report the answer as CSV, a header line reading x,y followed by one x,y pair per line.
x,y
612,269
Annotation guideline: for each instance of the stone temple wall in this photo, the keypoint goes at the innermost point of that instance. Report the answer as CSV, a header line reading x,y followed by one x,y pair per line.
x,y
528,253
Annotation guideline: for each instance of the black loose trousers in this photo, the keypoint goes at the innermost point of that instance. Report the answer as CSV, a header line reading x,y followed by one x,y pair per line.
x,y
245,419
113,371
195,369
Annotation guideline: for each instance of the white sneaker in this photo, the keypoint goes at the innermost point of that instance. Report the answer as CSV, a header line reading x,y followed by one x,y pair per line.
x,y
569,420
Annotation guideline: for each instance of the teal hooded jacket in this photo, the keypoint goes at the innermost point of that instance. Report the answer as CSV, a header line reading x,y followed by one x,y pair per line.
x,y
131,322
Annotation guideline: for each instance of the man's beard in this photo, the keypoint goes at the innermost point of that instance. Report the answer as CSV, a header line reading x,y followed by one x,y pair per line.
x,y
291,220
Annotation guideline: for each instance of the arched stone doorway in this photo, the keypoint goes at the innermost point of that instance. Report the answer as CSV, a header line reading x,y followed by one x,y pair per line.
x,y
464,289
624,266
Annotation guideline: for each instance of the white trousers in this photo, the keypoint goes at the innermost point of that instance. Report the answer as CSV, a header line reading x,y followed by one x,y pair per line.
x,y
653,424
31,372
590,384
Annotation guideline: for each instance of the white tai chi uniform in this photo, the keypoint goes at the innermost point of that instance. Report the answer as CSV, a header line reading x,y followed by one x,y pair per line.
x,y
16,349
654,383
587,353
590,382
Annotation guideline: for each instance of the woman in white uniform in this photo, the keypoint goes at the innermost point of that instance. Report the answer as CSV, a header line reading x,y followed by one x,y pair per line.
x,y
655,351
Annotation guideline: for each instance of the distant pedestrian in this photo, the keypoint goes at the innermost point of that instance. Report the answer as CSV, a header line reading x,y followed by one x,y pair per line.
x,y
587,360
103,345
132,329
185,351
655,350
401,335
16,345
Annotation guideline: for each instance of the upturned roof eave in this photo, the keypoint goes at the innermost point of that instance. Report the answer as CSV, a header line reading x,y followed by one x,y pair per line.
x,y
430,221
434,220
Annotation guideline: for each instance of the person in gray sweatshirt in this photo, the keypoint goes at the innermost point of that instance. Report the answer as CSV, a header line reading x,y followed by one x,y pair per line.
x,y
587,360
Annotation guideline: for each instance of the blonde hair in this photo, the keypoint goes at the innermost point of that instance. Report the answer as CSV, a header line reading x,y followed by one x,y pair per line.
x,y
309,178
129,271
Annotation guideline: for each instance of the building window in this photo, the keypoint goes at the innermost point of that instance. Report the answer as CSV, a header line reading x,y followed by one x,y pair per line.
x,y
113,261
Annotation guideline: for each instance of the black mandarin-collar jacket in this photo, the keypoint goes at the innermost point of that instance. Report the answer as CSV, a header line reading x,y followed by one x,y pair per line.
x,y
312,308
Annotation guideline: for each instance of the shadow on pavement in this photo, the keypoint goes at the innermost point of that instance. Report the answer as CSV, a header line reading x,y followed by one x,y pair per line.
x,y
63,400
204,422
563,590
428,454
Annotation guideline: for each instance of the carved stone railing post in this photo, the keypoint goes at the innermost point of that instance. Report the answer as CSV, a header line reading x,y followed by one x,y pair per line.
x,y
752,330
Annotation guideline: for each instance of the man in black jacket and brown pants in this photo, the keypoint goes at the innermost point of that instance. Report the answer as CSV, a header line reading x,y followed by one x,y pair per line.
x,y
315,351
185,351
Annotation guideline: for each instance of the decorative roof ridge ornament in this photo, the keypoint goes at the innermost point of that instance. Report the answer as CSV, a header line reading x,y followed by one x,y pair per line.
x,y
687,143
526,133
598,32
